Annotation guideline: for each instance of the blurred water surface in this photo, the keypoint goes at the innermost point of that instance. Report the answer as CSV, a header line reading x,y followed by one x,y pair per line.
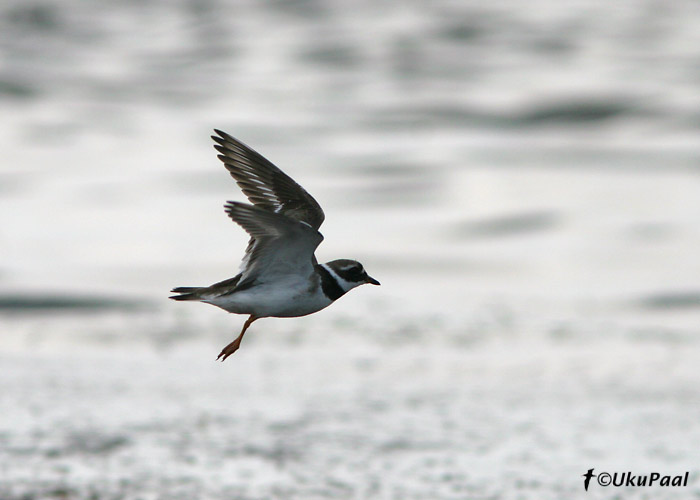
x,y
523,178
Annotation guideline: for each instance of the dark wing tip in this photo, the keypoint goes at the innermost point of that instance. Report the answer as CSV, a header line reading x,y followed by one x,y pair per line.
x,y
263,183
236,208
231,205
219,141
222,137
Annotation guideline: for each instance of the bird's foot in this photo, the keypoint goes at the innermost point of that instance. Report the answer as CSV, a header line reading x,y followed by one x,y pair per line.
x,y
228,350
233,346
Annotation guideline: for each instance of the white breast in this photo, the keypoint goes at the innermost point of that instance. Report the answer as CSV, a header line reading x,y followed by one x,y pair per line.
x,y
284,298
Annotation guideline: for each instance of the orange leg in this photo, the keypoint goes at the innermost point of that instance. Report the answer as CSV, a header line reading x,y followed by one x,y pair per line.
x,y
233,346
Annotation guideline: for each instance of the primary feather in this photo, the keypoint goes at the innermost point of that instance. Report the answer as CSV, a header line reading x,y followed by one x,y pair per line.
x,y
265,185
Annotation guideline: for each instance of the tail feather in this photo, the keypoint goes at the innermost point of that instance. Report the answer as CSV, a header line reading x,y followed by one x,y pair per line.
x,y
197,292
186,293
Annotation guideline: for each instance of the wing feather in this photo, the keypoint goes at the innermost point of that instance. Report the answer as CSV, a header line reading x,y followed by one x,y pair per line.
x,y
278,245
265,185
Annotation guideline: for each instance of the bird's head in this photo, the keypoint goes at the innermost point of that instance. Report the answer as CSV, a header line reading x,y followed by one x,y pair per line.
x,y
350,274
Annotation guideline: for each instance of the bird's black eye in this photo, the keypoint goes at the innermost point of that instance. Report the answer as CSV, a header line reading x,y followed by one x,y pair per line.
x,y
354,272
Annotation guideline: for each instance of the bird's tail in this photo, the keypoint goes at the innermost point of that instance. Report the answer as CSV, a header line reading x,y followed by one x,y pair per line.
x,y
187,293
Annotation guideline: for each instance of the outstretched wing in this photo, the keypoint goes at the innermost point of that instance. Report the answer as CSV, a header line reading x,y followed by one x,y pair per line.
x,y
278,245
265,185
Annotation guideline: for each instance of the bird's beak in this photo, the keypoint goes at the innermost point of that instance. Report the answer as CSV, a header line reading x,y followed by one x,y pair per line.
x,y
372,281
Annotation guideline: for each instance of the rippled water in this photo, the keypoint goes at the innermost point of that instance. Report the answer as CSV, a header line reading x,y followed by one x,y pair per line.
x,y
522,178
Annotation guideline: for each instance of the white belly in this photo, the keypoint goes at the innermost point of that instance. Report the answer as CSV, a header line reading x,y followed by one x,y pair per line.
x,y
282,299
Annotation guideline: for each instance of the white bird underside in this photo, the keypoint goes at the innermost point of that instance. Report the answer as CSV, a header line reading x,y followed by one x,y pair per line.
x,y
286,297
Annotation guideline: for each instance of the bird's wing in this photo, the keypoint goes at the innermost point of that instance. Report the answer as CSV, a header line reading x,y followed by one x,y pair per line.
x,y
279,245
265,185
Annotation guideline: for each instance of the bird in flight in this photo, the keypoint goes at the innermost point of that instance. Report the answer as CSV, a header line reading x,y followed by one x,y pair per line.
x,y
279,275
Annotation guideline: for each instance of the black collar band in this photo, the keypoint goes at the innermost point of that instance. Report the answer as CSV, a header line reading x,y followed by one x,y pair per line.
x,y
329,284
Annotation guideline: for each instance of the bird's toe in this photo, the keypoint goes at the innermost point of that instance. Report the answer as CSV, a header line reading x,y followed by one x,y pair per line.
x,y
228,350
